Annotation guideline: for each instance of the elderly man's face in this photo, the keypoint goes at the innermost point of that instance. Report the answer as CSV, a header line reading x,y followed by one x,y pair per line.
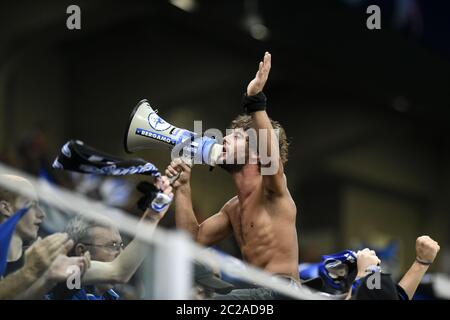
x,y
104,244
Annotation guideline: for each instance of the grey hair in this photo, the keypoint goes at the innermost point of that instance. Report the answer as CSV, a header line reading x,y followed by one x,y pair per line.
x,y
78,228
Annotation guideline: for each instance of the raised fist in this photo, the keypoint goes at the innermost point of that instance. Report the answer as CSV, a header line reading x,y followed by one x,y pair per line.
x,y
178,167
366,258
426,249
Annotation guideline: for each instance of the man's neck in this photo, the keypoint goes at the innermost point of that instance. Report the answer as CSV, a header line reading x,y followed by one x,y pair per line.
x,y
246,179
15,248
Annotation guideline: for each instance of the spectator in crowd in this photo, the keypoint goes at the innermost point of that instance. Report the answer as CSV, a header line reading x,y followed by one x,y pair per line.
x,y
45,276
44,264
426,252
104,243
111,263
367,287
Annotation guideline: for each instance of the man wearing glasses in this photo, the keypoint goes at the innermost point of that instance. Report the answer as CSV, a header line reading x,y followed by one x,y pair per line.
x,y
104,243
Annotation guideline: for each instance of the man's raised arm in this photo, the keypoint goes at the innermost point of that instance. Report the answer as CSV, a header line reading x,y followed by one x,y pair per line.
x,y
255,105
213,229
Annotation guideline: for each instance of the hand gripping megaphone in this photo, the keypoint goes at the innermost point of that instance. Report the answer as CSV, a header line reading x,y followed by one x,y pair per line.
x,y
147,130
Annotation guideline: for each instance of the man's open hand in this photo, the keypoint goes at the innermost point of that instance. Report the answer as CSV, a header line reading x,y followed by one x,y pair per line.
x,y
257,85
61,268
40,256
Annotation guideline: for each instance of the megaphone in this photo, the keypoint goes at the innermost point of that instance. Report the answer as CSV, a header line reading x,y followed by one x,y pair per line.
x,y
147,130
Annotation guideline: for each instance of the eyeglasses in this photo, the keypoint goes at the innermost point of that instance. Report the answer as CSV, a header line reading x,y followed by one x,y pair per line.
x,y
112,246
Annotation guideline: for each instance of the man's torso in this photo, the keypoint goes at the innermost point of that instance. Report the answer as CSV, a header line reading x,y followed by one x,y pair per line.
x,y
264,227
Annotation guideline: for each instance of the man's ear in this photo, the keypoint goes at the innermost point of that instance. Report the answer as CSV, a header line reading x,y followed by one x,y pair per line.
x,y
5,209
80,249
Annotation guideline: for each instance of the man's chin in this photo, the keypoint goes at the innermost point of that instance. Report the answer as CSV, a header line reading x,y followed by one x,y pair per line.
x,y
30,237
231,167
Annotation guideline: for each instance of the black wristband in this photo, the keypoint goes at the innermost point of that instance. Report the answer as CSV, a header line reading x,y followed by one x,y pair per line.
x,y
423,262
254,103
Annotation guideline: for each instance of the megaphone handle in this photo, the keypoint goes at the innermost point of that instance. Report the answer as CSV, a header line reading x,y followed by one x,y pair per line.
x,y
175,178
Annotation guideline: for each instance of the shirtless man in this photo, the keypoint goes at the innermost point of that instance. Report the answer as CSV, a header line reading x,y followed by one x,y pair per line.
x,y
262,215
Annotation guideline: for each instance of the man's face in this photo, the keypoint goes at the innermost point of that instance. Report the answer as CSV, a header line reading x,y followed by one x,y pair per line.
x,y
235,147
105,243
28,226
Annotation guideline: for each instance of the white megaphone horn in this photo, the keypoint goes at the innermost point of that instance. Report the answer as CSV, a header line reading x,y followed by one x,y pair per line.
x,y
147,130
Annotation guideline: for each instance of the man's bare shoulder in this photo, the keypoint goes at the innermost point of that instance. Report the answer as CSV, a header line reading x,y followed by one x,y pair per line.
x,y
283,188
230,205
284,198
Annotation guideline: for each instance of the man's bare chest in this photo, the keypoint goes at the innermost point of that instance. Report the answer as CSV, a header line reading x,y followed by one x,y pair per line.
x,y
248,222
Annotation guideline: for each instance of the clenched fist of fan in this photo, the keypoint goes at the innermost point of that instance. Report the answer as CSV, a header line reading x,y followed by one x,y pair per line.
x,y
366,258
426,250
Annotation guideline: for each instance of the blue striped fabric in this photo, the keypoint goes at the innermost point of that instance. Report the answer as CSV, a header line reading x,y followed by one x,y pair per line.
x,y
6,231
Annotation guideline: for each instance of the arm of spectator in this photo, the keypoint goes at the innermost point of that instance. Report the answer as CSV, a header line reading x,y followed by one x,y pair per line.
x,y
16,283
365,259
121,269
60,270
426,251
38,258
